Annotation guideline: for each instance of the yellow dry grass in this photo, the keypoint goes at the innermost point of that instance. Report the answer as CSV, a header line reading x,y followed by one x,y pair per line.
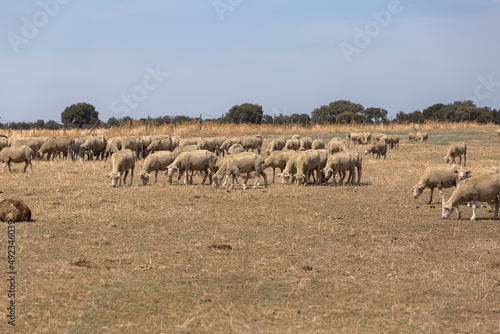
x,y
282,259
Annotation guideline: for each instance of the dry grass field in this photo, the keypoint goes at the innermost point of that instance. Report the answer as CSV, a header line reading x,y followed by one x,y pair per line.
x,y
282,259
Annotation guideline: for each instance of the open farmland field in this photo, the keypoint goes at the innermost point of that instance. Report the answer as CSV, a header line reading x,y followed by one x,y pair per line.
x,y
282,259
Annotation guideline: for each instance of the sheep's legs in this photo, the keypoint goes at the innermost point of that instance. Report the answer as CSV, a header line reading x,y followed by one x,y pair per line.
x,y
496,207
430,199
474,202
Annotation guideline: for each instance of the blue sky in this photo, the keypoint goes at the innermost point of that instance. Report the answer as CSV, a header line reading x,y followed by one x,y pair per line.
x,y
178,57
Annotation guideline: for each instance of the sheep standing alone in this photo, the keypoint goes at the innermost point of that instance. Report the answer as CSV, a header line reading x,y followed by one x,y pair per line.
x,y
236,164
456,150
122,161
482,188
16,154
441,176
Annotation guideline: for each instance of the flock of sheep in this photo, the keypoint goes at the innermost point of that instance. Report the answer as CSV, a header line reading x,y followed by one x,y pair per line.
x,y
301,160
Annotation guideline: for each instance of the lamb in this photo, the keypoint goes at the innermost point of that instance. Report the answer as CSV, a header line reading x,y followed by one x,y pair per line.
x,y
198,160
288,174
379,148
318,144
236,164
341,162
456,150
276,145
277,159
14,210
482,188
441,176
122,161
253,142
292,144
157,161
305,143
16,154
307,162
235,149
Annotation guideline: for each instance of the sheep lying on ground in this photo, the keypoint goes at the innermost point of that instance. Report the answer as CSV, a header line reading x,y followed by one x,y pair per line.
x,y
236,164
122,161
456,150
16,154
441,176
157,161
14,209
277,159
482,188
198,160
276,145
379,148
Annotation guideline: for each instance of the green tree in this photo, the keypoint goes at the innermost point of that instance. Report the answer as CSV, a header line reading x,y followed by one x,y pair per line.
x,y
330,112
113,122
375,115
51,125
245,113
80,114
302,119
181,118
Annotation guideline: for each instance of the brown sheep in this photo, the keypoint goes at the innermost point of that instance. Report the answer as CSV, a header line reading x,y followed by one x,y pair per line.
x,y
14,210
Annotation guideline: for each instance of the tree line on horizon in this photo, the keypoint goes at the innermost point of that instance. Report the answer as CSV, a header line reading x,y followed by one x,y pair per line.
x,y
84,116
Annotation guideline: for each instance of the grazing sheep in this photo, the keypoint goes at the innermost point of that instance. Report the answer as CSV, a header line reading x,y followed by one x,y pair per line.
x,y
146,141
377,135
209,144
307,162
114,145
95,147
337,144
292,144
441,176
189,141
395,141
305,143
230,142
175,142
288,174
122,161
456,150
482,188
318,144
379,148
276,145
187,148
425,136
235,149
296,136
163,143
26,141
16,154
412,136
157,161
367,137
277,159
58,144
355,137
340,163
198,160
253,142
14,210
3,143
236,164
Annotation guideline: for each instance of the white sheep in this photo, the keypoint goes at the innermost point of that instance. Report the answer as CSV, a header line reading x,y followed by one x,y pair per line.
x,y
307,162
235,149
379,148
276,145
456,150
277,159
482,188
337,144
236,164
441,176
292,144
305,143
157,161
253,142
288,174
340,163
318,144
198,160
122,161
16,154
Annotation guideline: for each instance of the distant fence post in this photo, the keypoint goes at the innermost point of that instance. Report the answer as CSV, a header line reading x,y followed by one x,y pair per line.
x,y
93,127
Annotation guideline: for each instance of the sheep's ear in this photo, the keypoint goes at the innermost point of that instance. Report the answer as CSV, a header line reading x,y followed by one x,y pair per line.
x,y
455,171
110,175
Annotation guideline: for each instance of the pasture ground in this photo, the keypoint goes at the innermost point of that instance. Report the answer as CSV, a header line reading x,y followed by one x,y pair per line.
x,y
282,259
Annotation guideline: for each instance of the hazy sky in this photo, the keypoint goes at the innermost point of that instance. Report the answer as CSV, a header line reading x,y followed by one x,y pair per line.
x,y
178,57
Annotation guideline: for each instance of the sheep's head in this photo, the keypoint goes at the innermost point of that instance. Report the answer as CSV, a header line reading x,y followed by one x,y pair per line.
x,y
144,177
327,171
170,170
114,178
462,173
368,150
447,159
446,210
285,177
417,190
